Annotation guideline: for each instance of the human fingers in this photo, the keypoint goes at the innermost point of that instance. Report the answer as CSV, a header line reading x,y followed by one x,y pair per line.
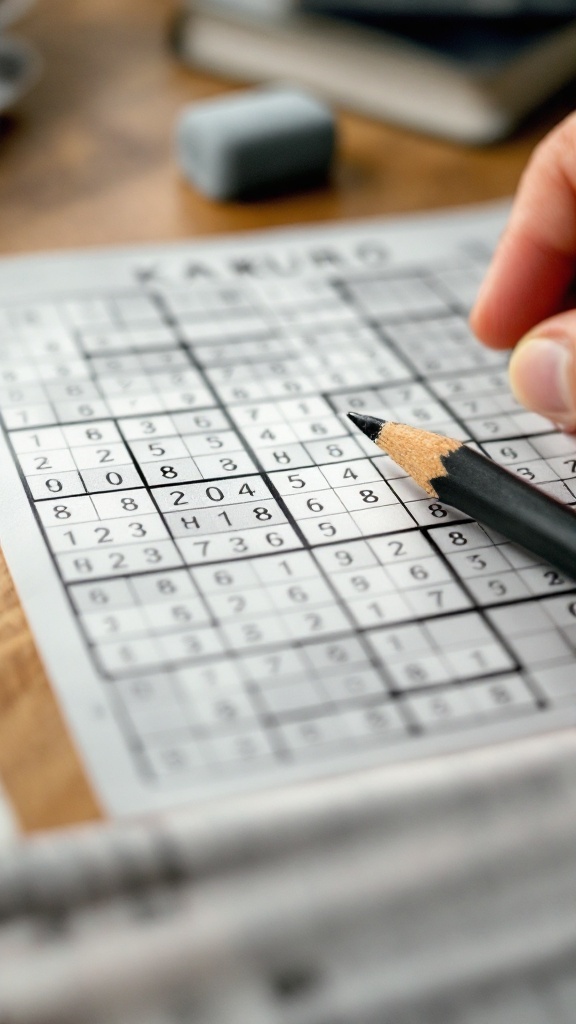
x,y
543,370
535,260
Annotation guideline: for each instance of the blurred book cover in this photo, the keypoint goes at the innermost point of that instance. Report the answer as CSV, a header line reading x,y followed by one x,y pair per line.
x,y
468,71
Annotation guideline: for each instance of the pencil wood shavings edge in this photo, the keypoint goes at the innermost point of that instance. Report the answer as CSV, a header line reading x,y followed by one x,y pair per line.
x,y
419,452
413,449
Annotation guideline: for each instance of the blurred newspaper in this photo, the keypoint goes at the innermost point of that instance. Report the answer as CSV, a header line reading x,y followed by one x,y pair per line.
x,y
440,892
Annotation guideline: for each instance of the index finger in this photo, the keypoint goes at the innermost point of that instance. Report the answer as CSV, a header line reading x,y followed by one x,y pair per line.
x,y
536,258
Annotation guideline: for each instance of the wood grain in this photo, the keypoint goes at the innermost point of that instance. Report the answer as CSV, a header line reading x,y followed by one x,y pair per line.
x,y
87,160
39,765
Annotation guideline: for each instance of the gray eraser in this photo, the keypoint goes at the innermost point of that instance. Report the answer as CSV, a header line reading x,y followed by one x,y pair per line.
x,y
256,142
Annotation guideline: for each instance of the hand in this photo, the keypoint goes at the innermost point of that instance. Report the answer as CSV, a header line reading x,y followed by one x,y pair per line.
x,y
524,301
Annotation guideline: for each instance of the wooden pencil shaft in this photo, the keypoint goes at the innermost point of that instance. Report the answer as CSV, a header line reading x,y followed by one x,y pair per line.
x,y
498,498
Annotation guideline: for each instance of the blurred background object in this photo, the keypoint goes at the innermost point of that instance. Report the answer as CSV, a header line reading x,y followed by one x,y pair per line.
x,y
465,71
421,8
10,10
19,61
256,143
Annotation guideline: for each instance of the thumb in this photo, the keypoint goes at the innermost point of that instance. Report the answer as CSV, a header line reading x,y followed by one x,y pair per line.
x,y
543,370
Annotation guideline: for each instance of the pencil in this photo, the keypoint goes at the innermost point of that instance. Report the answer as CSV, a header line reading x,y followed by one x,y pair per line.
x,y
449,471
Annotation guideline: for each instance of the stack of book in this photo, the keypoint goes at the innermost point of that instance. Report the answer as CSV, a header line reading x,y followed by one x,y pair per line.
x,y
470,77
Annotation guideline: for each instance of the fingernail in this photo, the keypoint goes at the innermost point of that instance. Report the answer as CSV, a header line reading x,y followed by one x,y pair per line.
x,y
541,371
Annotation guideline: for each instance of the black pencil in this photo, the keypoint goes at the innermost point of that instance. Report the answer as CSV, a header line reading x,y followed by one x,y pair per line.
x,y
446,469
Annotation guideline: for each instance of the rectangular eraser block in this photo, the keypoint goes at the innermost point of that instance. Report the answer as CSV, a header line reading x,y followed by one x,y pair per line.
x,y
256,142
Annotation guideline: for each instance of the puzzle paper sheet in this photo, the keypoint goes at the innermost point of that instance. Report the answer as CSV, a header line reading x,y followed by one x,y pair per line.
x,y
230,587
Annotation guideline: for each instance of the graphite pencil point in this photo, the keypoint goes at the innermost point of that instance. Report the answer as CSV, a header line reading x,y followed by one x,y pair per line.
x,y
369,425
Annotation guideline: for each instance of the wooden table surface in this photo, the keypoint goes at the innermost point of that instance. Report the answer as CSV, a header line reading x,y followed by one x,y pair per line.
x,y
86,159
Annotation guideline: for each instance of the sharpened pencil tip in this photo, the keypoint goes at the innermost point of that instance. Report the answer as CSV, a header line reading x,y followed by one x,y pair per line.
x,y
369,425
